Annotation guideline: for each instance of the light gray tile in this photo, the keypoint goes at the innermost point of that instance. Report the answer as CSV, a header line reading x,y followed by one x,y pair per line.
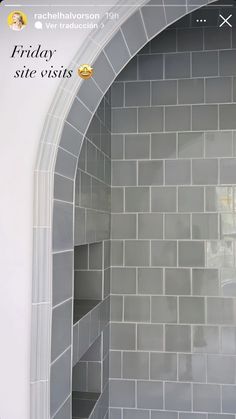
x,y
150,337
117,44
177,338
163,199
150,281
178,396
221,369
71,139
219,199
117,94
177,118
117,253
150,173
79,226
116,308
65,164
130,72
228,340
62,226
218,90
218,144
191,91
163,414
205,64
191,144
123,336
61,329
149,395
229,399
192,415
206,339
137,93
123,226
117,146
177,281
115,364
150,67
227,171
177,172
163,366
153,18
191,310
227,61
164,309
60,384
115,413
78,116
150,226
62,277
205,282
90,94
150,119
206,398
227,114
221,310
164,92
63,188
137,146
177,226
165,42
137,199
134,32
117,199
84,334
136,365
123,173
192,367
220,254
163,146
122,393
64,412
217,38
124,120
190,199
191,254
104,74
95,256
123,281
164,253
190,39
177,66
137,309
135,414
204,117
205,226
205,172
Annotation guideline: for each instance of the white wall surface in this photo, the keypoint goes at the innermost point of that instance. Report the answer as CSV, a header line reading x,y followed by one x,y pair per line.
x,y
23,107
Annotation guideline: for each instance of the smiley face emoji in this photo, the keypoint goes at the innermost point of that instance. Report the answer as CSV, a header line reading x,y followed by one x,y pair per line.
x,y
85,71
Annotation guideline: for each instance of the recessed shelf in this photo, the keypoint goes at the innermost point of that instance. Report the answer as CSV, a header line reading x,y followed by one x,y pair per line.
x,y
82,307
83,404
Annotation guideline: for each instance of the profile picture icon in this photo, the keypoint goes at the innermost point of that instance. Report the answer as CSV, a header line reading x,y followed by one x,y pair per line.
x,y
17,20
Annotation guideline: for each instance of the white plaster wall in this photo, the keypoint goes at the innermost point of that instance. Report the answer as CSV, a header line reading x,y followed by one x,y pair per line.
x,y
23,108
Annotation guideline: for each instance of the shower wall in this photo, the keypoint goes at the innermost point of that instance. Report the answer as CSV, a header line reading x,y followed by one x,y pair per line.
x,y
173,286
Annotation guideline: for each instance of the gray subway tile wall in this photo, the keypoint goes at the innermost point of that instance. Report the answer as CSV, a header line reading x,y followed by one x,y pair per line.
x,y
173,335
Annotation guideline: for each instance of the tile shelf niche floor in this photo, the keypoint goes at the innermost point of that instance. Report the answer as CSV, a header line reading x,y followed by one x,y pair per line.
x,y
82,307
83,404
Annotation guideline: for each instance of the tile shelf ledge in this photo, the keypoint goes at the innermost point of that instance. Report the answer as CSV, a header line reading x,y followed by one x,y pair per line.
x,y
89,327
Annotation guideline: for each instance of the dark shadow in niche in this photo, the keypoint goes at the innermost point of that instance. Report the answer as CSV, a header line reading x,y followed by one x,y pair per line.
x,y
87,375
88,278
